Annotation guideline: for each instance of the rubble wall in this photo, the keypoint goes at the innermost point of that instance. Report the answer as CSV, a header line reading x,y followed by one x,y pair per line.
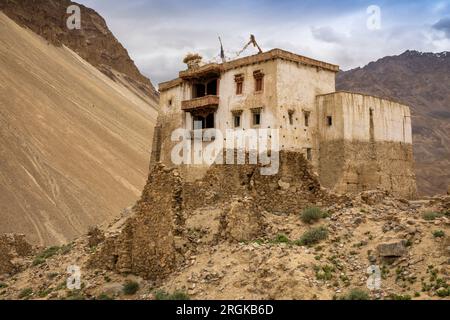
x,y
146,244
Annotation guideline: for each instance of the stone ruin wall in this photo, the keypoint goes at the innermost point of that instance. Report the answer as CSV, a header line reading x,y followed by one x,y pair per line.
x,y
232,200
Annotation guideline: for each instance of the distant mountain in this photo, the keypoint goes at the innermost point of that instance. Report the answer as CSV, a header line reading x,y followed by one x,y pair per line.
x,y
74,144
421,80
94,42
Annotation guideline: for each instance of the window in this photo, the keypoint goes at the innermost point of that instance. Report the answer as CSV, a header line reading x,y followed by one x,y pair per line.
x,y
291,117
211,88
306,114
329,121
309,154
259,80
257,119
239,79
239,87
237,120
201,122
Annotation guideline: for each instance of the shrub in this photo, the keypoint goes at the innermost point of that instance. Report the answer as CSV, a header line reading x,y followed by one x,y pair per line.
x,y
324,272
313,236
438,234
38,261
443,293
311,215
180,296
130,288
429,216
356,294
177,295
44,293
281,238
104,296
3,285
44,255
25,293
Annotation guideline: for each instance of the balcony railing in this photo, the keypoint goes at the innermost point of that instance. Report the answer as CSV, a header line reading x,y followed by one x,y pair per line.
x,y
200,103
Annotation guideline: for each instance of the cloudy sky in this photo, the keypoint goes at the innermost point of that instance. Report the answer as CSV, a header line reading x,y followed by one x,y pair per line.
x,y
158,33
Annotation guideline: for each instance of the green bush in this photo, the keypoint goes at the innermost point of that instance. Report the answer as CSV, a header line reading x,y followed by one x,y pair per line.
x,y
281,238
313,236
104,296
130,288
44,255
356,294
177,295
429,216
25,293
44,293
438,234
324,272
443,293
38,261
311,215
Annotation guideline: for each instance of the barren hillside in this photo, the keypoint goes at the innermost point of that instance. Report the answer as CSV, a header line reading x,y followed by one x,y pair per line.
x,y
74,144
421,80
94,42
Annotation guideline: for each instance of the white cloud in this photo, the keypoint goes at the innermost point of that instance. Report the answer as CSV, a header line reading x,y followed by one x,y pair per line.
x,y
158,34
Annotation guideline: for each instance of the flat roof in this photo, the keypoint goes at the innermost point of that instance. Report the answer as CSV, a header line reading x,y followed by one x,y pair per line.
x,y
257,58
385,98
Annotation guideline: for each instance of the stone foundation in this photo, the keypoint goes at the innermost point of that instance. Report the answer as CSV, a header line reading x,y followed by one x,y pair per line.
x,y
359,166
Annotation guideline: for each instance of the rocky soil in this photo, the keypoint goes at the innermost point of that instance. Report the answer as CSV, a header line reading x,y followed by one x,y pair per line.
x,y
218,251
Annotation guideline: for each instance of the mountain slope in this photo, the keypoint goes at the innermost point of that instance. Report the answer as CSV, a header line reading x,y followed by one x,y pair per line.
x,y
94,42
74,144
420,80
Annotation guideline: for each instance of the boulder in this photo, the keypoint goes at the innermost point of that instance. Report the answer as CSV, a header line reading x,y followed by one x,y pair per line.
x,y
394,248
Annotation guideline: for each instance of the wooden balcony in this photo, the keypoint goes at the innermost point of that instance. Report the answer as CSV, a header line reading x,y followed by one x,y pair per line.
x,y
206,102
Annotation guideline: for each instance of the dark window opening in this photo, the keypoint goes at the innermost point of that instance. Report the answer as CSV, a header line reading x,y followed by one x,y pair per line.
x,y
237,121
211,88
291,118
199,90
256,118
309,154
306,119
259,80
258,85
372,126
239,87
170,102
329,121
204,122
